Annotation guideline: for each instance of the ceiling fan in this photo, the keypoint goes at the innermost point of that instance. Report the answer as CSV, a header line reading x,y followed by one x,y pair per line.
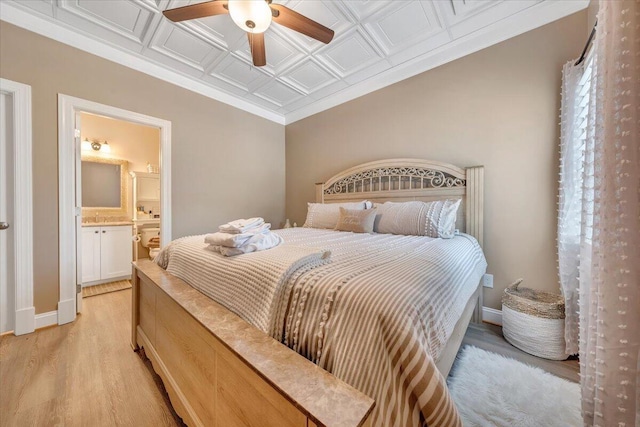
x,y
254,17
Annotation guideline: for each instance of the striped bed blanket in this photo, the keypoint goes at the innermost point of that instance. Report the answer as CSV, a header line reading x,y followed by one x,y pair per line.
x,y
377,315
249,285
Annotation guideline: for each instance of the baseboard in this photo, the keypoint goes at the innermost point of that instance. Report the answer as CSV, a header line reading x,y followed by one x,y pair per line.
x,y
491,315
25,321
46,319
66,311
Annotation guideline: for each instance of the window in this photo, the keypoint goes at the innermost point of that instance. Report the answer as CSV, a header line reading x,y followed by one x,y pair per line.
x,y
577,171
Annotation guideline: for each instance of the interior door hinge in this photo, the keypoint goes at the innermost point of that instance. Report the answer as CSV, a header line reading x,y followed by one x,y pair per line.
x,y
78,288
76,133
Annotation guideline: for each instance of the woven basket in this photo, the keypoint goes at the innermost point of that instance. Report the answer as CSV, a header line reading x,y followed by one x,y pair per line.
x,y
533,321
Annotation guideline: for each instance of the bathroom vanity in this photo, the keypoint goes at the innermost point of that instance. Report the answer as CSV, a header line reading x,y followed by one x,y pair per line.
x,y
106,252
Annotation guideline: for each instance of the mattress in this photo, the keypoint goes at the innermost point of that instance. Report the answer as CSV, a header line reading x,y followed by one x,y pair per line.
x,y
377,315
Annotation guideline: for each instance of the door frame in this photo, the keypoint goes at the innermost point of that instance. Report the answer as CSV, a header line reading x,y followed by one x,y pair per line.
x,y
68,106
25,312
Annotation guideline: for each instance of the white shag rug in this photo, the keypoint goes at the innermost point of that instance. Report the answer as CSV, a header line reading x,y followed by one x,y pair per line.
x,y
493,390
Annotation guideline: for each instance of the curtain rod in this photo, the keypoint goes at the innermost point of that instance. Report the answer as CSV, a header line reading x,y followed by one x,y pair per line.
x,y
586,46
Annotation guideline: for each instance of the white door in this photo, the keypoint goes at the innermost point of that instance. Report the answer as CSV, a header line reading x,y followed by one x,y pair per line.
x,y
90,254
77,144
115,252
7,287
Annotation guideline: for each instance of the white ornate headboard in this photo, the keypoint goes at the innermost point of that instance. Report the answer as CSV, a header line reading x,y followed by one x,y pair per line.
x,y
411,179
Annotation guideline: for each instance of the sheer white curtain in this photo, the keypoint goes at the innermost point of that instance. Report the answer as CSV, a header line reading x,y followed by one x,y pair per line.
x,y
576,83
601,163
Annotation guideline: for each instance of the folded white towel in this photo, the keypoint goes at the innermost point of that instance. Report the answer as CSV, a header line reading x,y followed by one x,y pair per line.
x,y
241,225
258,242
264,227
235,240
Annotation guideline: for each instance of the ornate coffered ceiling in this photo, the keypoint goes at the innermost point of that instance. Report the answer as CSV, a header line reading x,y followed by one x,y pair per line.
x,y
377,43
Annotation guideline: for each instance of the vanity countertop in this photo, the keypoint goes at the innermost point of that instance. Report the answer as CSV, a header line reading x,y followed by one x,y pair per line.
x,y
106,223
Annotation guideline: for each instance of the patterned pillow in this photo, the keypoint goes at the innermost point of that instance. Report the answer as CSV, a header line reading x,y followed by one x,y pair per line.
x,y
433,219
325,215
358,221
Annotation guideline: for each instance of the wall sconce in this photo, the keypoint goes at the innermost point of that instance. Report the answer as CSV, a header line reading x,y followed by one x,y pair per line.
x,y
96,146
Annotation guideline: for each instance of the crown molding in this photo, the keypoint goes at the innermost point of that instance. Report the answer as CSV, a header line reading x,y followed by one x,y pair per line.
x,y
536,16
64,34
533,17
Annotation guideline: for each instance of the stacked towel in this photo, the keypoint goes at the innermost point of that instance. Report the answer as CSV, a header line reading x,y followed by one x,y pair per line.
x,y
242,236
241,225
154,242
258,242
232,240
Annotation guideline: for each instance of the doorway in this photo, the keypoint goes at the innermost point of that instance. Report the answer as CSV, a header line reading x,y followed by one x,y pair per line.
x,y
17,312
70,142
120,199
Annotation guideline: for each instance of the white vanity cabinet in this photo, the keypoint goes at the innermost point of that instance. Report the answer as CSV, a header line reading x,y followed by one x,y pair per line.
x,y
106,253
90,254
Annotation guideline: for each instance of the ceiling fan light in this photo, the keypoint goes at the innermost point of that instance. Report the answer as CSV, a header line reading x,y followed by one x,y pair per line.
x,y
253,16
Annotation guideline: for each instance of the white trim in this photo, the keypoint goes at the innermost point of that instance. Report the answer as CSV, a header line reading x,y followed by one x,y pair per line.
x,y
67,35
23,205
67,308
25,321
492,315
46,319
526,20
68,106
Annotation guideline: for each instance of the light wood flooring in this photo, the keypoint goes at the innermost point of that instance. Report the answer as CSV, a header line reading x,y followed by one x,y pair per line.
x,y
82,374
86,374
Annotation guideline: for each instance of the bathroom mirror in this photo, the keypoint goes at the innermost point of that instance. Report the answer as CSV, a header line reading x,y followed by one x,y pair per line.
x,y
104,186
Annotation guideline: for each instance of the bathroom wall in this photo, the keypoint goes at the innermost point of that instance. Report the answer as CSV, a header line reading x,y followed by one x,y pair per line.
x,y
135,143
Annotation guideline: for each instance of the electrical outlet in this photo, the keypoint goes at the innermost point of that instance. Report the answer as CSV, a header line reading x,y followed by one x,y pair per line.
x,y
487,280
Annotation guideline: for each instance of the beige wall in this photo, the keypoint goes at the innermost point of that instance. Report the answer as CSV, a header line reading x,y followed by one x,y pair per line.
x,y
226,163
135,143
138,144
498,108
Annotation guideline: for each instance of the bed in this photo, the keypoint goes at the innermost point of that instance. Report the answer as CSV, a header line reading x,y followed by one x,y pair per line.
x,y
221,365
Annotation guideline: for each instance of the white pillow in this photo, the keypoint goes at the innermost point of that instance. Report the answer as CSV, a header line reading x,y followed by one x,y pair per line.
x,y
433,219
325,215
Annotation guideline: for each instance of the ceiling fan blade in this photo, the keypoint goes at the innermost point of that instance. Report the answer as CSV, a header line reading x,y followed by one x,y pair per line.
x,y
301,23
194,11
256,43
